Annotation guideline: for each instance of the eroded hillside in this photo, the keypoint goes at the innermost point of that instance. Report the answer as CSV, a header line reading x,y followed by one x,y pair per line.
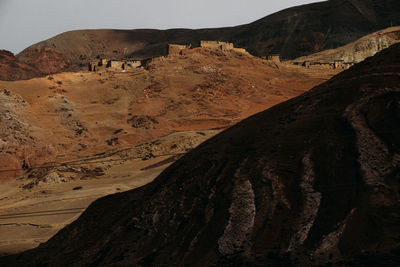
x,y
359,50
311,181
12,69
73,115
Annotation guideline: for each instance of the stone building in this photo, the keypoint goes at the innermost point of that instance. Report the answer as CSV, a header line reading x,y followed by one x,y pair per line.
x,y
347,65
338,64
93,66
224,46
240,50
306,64
175,49
114,65
274,57
132,64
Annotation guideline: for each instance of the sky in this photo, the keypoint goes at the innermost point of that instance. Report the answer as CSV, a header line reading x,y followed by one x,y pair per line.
x,y
26,22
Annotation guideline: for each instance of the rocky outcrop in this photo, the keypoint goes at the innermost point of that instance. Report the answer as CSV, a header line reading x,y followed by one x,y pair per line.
x,y
359,50
12,69
242,213
36,63
311,181
142,121
47,61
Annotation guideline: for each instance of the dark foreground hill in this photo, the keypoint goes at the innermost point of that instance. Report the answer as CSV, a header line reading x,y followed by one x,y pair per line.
x,y
292,33
314,180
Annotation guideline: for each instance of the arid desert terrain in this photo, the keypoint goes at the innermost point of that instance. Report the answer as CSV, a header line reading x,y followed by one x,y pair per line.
x,y
273,143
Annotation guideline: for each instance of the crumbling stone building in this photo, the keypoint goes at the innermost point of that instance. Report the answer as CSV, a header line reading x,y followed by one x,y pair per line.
x,y
93,66
240,50
132,64
306,64
224,46
337,64
114,65
274,57
175,49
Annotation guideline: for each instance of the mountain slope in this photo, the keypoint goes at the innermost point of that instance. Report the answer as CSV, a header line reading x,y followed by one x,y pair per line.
x,y
292,32
359,50
314,180
72,115
11,69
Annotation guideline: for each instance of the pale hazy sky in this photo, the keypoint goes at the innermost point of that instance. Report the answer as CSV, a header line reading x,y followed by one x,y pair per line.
x,y
25,22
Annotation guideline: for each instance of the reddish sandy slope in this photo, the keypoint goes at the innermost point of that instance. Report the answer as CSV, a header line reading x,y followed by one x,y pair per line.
x,y
12,69
71,115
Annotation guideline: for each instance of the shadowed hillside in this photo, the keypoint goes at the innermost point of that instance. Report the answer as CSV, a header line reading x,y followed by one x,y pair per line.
x,y
358,50
314,180
292,32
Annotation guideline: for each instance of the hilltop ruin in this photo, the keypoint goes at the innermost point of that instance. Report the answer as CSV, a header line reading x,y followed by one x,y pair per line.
x,y
336,64
224,46
176,49
173,49
114,65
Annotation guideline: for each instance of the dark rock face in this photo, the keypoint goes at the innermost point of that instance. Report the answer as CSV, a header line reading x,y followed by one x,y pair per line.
x,y
314,180
311,28
292,33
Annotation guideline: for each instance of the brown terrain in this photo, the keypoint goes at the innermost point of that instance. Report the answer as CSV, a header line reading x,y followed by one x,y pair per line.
x,y
293,32
12,69
47,62
311,181
99,130
70,115
33,211
359,50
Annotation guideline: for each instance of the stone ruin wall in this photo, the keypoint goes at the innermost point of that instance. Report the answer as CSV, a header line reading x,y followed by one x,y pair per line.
x,y
209,44
274,58
337,64
132,64
217,44
114,65
240,50
174,49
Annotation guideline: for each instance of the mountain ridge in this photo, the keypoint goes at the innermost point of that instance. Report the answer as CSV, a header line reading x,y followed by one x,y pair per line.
x,y
291,32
